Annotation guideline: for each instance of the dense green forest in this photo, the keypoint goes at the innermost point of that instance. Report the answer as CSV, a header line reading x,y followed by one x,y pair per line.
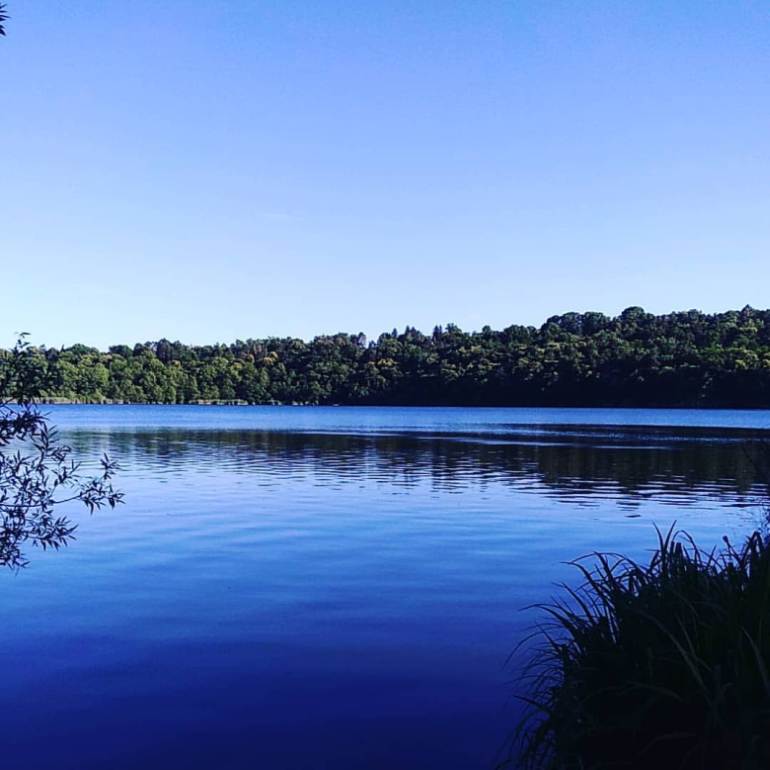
x,y
680,359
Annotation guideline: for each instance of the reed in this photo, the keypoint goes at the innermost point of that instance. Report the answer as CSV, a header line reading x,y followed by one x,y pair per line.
x,y
658,665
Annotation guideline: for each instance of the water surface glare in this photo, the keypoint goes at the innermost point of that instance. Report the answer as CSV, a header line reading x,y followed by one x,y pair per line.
x,y
296,587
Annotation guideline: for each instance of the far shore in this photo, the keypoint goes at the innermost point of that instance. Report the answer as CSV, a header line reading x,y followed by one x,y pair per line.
x,y
57,401
118,402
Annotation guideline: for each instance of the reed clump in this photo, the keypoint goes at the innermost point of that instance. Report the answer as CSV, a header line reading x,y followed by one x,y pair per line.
x,y
658,665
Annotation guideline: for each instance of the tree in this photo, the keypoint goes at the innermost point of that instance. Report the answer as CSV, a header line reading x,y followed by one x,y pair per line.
x,y
38,474
635,359
3,18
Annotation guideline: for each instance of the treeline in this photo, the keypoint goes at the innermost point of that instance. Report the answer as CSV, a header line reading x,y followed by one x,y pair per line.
x,y
635,359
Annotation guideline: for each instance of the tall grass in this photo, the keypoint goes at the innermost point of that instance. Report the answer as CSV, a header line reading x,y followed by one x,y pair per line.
x,y
658,665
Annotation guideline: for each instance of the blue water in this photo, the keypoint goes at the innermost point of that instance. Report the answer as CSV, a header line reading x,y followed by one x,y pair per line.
x,y
296,587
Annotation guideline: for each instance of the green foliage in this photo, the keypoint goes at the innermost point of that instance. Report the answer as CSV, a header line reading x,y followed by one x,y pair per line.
x,y
635,359
659,665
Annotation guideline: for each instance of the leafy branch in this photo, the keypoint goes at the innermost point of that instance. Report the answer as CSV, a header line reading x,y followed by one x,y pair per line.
x,y
38,473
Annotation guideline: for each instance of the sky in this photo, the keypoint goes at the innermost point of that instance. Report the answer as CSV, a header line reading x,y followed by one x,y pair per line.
x,y
228,169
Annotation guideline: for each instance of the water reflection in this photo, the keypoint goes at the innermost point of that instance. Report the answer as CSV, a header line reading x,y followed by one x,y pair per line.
x,y
579,465
361,589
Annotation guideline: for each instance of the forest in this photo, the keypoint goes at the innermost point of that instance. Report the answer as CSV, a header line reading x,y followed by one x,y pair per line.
x,y
635,359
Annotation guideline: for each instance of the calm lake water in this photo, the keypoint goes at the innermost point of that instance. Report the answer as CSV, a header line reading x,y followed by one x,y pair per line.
x,y
333,588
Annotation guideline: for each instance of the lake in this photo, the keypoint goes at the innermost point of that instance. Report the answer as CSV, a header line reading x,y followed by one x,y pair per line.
x,y
300,587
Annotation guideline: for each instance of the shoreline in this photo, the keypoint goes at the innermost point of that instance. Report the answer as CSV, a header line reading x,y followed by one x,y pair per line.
x,y
54,401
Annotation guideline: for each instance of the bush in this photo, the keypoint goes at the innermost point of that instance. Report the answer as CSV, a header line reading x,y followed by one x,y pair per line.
x,y
663,665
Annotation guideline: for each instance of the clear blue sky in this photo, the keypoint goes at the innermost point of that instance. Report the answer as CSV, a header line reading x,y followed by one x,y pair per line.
x,y
221,168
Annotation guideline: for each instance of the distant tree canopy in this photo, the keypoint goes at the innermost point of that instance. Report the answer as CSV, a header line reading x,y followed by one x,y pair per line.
x,y
636,359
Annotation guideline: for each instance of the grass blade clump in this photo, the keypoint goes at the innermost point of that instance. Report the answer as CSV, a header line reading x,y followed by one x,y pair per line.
x,y
657,665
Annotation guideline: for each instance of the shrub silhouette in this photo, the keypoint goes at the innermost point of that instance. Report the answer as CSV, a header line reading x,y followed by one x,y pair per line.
x,y
38,474
658,665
